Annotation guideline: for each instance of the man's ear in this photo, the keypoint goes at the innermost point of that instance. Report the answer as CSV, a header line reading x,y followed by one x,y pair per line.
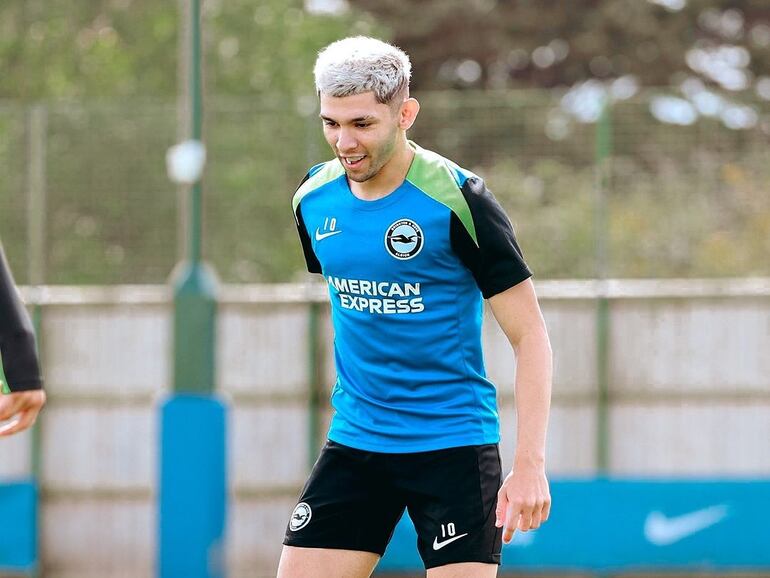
x,y
408,113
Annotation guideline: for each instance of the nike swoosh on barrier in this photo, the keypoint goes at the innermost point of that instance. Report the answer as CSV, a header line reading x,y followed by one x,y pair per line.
x,y
663,531
438,545
320,236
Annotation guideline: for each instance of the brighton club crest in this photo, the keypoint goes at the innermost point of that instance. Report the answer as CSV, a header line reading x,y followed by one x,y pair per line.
x,y
404,239
300,517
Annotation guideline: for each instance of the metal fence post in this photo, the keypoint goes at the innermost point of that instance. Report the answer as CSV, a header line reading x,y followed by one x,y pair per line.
x,y
37,133
603,159
193,469
315,386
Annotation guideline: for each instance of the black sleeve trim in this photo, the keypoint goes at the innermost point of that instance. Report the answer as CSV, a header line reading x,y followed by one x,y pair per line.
x,y
313,266
17,340
496,262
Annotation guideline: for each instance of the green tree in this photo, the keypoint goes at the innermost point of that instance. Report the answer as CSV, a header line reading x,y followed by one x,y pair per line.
x,y
545,44
88,48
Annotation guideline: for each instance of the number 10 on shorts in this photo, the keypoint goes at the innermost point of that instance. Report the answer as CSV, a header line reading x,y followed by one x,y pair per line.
x,y
448,530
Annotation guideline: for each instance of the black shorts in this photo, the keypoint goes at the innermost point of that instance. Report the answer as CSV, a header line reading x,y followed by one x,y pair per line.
x,y
353,500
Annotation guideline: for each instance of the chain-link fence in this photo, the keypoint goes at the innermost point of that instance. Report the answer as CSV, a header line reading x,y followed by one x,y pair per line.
x,y
84,196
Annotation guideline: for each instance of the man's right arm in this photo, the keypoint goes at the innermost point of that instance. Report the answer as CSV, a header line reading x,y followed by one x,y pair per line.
x,y
17,339
23,394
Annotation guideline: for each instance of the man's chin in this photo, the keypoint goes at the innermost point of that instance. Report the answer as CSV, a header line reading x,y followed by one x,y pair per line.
x,y
358,177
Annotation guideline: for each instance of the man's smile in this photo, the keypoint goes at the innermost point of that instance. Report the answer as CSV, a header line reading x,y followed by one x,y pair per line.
x,y
353,161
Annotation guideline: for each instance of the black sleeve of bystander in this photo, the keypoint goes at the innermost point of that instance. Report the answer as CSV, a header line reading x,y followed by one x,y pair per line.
x,y
17,338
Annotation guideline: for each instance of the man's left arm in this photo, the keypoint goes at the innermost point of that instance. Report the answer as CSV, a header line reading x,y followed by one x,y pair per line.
x,y
524,500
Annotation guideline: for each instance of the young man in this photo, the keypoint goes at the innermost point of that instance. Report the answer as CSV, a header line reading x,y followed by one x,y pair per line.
x,y
23,390
410,244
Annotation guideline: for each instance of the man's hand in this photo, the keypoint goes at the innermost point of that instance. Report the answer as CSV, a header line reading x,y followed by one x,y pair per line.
x,y
524,501
23,404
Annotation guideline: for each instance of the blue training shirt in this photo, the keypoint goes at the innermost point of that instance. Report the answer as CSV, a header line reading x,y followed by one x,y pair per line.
x,y
407,274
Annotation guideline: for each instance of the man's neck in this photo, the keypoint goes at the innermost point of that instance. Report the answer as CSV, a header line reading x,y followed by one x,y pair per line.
x,y
390,176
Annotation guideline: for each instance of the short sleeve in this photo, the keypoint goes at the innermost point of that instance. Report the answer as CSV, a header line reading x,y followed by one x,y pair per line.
x,y
495,258
313,266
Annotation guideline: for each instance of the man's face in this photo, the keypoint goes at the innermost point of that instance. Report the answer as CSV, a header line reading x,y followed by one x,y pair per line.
x,y
361,131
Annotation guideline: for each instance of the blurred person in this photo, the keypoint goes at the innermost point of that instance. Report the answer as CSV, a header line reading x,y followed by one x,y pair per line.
x,y
18,356
410,245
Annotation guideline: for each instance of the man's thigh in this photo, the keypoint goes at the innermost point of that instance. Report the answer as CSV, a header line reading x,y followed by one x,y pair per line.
x,y
464,570
324,563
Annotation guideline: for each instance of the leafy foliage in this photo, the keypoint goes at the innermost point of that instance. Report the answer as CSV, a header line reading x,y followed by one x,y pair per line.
x,y
529,43
682,200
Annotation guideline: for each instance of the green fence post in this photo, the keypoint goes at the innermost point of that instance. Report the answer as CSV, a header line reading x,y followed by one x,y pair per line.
x,y
194,282
37,131
314,383
315,375
193,478
603,159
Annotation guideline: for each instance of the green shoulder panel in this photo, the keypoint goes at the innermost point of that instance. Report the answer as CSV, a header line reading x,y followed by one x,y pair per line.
x,y
327,173
431,173
3,385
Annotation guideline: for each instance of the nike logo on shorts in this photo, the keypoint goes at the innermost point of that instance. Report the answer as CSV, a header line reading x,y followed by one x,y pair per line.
x,y
438,545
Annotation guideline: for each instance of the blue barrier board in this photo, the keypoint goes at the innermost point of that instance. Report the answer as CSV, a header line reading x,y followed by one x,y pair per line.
x,y
18,512
193,487
617,525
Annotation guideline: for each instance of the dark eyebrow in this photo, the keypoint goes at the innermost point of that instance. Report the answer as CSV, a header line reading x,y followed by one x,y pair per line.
x,y
368,118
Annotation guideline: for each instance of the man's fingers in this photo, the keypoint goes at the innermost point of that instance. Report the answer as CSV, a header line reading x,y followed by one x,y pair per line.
x,y
26,405
546,509
511,520
10,405
522,504
13,403
10,428
502,506
525,519
25,420
537,518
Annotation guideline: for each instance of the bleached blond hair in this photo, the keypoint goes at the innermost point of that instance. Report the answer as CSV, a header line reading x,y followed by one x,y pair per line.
x,y
361,64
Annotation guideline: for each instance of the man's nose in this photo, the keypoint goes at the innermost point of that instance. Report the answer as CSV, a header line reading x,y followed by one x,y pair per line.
x,y
346,141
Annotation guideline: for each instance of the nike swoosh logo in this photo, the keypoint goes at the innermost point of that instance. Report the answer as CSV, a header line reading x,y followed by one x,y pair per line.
x,y
319,236
438,545
663,531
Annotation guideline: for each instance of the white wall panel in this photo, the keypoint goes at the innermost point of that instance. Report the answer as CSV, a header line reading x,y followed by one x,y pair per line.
x,y
99,536
704,439
570,443
268,445
572,332
327,349
15,453
256,529
688,345
661,351
107,348
263,348
96,446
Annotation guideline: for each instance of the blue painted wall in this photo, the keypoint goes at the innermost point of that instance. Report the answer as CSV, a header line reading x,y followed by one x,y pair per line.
x,y
18,520
595,525
623,525
193,487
